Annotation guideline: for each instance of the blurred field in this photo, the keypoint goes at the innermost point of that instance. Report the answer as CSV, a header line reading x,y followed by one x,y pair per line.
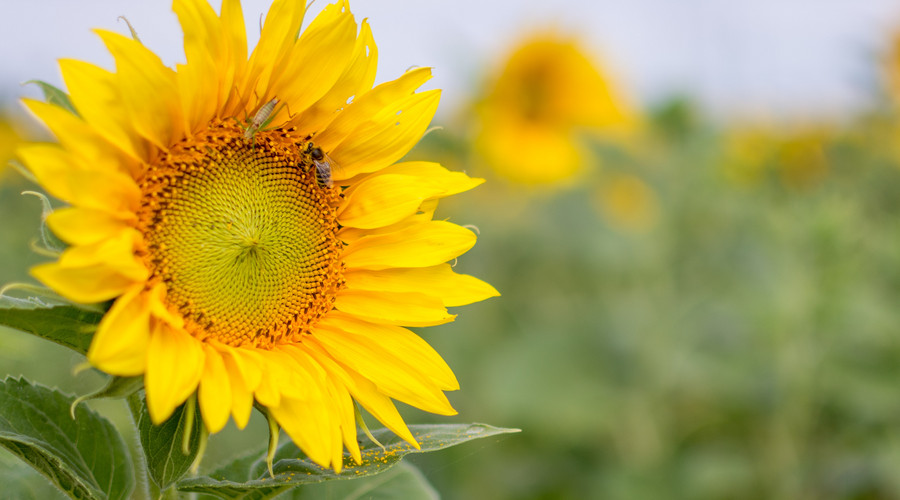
x,y
745,346
707,311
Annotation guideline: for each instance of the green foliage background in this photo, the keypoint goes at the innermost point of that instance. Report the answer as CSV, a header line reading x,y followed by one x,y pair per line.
x,y
746,346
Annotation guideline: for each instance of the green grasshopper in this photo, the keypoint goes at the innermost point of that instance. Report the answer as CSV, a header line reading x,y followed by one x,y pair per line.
x,y
261,119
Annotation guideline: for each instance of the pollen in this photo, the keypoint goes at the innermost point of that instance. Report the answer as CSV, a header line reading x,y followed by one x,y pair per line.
x,y
242,235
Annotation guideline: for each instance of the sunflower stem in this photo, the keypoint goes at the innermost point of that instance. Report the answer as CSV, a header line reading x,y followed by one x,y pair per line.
x,y
273,442
190,410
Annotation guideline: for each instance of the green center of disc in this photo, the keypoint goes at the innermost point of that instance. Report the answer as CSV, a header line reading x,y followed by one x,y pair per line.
x,y
243,237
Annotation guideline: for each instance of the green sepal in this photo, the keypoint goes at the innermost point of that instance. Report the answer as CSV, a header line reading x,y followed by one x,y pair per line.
x,y
55,96
116,387
51,245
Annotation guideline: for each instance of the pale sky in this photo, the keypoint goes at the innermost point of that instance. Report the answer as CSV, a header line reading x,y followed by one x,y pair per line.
x,y
762,57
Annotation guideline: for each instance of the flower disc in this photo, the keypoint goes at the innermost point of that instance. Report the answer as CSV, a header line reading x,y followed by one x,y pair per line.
x,y
243,236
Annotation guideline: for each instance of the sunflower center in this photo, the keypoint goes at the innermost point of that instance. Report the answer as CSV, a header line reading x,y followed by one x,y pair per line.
x,y
243,236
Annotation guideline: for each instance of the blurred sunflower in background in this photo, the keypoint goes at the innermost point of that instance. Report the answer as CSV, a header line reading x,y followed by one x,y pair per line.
x,y
793,156
891,67
548,92
248,221
9,140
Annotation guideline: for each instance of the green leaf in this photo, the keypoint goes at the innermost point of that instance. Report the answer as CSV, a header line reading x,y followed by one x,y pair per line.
x,y
55,96
249,480
47,315
401,482
86,457
23,482
162,443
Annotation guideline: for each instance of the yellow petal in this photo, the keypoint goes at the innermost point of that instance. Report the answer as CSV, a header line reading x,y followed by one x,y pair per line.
x,y
86,285
438,281
314,371
78,138
357,78
175,363
383,200
248,364
450,182
241,396
424,214
310,425
300,373
235,48
283,376
388,136
84,226
95,94
400,343
393,308
394,377
160,309
343,386
117,253
97,272
364,107
343,410
317,59
214,394
149,90
376,403
382,408
332,404
198,80
105,190
279,33
119,346
425,244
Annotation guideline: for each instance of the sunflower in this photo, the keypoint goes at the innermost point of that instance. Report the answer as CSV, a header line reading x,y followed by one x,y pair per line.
x,y
249,222
796,155
548,92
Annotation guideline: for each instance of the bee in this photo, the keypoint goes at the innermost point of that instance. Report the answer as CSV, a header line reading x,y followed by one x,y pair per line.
x,y
260,119
324,164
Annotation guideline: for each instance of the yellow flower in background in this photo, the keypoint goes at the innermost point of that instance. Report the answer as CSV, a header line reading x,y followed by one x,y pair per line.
x,y
627,202
892,66
253,229
9,140
547,94
795,155
746,154
802,162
